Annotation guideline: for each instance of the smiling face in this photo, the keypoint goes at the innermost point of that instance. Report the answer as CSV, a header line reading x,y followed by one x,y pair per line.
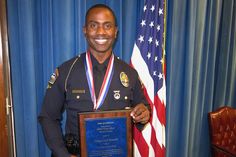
x,y
100,31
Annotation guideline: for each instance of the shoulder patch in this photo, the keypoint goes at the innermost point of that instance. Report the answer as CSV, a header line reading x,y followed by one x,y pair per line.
x,y
53,78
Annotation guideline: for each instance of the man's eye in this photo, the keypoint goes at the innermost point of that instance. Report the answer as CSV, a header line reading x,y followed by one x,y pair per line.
x,y
93,25
107,26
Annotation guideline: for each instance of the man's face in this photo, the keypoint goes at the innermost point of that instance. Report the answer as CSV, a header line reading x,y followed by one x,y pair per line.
x,y
100,30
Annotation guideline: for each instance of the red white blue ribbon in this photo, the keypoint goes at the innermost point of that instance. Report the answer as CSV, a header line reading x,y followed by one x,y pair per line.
x,y
105,84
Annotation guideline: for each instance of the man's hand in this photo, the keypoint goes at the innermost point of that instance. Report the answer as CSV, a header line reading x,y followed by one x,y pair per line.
x,y
140,114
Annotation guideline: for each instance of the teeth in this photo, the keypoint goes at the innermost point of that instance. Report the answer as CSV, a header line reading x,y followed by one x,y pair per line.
x,y
101,41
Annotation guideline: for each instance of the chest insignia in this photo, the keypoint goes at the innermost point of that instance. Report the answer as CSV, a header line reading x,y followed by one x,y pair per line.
x,y
116,94
124,79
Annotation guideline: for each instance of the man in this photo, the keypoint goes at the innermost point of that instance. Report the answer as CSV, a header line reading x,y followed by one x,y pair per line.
x,y
93,81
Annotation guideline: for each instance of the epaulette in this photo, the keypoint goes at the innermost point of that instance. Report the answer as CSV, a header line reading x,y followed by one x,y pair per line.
x,y
71,67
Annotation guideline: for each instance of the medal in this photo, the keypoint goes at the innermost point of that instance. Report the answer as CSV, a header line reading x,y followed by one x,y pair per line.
x,y
105,84
124,79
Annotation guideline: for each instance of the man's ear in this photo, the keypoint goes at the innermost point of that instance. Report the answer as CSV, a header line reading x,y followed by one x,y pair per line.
x,y
116,32
84,30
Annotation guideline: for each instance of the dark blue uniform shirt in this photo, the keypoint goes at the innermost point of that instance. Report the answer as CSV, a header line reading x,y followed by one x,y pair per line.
x,y
70,93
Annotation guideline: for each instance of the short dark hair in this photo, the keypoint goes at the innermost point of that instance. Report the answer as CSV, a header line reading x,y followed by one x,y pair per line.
x,y
100,6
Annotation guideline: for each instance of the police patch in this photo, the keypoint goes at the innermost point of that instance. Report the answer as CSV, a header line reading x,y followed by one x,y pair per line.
x,y
124,79
53,79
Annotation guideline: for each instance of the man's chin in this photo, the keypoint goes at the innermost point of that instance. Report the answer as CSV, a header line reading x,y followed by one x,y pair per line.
x,y
102,50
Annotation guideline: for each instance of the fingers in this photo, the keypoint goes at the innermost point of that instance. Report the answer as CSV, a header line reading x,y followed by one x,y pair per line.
x,y
142,118
140,114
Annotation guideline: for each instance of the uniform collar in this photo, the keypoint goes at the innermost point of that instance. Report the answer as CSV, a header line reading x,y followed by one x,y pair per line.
x,y
96,64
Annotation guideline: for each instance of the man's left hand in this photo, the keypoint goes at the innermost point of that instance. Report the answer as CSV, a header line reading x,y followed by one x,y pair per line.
x,y
140,114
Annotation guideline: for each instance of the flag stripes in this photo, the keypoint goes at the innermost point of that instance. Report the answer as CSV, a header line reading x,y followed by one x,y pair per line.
x,y
149,61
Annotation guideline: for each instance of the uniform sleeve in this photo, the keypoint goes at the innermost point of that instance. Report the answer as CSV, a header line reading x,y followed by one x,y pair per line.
x,y
51,115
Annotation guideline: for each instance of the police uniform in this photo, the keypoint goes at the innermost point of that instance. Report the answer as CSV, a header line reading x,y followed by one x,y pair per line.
x,y
69,91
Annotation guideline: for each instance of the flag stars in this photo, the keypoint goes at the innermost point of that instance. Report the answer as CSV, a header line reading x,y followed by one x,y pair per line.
x,y
143,23
148,55
157,43
158,28
144,8
141,38
152,8
151,24
160,76
155,58
160,11
154,73
150,40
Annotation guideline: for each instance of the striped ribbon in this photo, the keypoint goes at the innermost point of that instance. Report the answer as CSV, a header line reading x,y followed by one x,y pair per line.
x,y
105,84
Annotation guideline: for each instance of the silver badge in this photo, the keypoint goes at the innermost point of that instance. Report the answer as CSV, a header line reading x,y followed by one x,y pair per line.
x,y
116,94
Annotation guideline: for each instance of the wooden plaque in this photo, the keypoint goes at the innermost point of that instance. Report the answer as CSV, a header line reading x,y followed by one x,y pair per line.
x,y
106,133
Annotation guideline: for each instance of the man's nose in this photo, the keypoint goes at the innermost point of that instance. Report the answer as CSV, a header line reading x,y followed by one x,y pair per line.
x,y
100,30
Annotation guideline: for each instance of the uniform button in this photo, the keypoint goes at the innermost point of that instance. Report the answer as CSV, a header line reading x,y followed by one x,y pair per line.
x,y
77,97
127,108
126,97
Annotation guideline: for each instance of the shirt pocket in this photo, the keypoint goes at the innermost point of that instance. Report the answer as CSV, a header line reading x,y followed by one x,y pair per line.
x,y
122,98
78,101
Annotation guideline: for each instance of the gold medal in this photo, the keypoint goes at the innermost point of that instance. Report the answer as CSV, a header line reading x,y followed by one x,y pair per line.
x,y
124,79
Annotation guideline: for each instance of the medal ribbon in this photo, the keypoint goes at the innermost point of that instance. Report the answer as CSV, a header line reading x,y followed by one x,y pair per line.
x,y
105,84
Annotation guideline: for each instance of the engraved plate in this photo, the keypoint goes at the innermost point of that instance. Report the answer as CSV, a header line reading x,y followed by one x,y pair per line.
x,y
106,134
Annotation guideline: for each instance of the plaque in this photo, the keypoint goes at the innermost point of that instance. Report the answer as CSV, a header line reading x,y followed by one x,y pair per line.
x,y
106,134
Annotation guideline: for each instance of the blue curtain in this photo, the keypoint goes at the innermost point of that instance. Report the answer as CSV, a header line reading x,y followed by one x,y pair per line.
x,y
201,71
201,62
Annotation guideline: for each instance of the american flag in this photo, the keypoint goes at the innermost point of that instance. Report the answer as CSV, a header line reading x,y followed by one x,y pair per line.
x,y
148,58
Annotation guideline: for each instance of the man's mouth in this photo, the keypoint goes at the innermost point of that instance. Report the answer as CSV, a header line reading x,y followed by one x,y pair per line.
x,y
100,41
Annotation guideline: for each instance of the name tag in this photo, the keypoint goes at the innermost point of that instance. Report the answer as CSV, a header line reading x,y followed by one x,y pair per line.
x,y
78,91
